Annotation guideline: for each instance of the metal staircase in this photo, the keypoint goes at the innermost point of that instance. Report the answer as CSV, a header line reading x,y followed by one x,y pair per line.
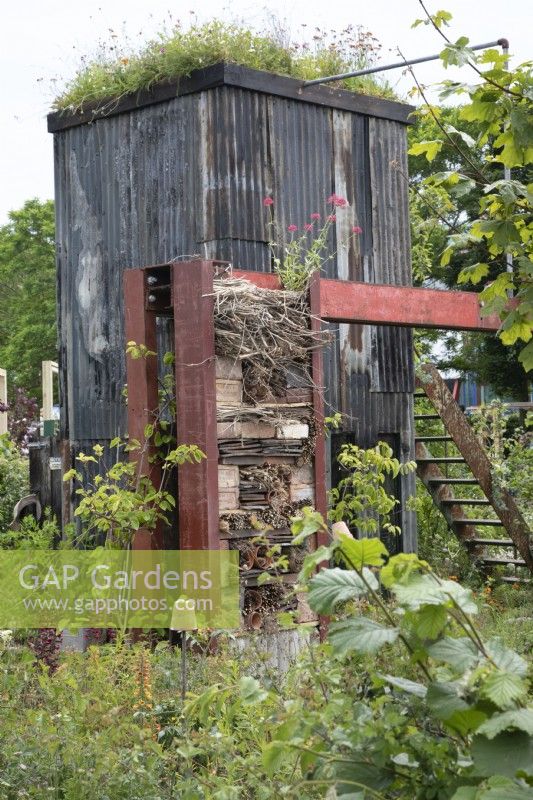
x,y
452,462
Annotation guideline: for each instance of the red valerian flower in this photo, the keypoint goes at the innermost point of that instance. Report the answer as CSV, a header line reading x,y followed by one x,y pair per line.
x,y
315,216
357,229
335,200
308,226
332,218
268,201
292,228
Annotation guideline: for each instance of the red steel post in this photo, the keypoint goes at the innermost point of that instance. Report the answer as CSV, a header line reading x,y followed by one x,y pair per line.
x,y
321,502
194,332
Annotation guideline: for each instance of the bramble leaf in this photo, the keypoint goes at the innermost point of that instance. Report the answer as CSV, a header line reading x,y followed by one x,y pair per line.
x,y
361,635
362,552
503,688
521,718
333,586
251,690
459,653
430,621
505,754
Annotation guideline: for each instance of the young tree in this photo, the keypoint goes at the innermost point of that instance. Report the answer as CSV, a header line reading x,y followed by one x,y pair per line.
x,y
27,278
499,104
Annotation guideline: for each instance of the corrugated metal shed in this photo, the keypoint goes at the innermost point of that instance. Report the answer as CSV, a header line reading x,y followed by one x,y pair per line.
x,y
183,170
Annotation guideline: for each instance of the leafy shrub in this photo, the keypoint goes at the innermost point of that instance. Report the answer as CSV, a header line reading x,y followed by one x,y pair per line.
x,y
13,481
361,499
32,535
23,418
462,730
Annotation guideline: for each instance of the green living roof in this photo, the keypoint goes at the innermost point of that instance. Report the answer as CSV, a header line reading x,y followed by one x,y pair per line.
x,y
178,53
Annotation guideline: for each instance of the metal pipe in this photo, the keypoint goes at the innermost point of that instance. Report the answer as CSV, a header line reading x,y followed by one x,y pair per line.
x,y
507,170
371,70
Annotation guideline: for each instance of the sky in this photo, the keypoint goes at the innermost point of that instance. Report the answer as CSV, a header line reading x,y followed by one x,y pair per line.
x,y
42,42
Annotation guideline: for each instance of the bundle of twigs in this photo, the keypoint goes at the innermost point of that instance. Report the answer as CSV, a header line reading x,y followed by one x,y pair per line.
x,y
267,329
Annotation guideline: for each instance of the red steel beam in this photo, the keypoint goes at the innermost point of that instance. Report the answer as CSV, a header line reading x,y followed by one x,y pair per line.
x,y
196,413
143,399
377,304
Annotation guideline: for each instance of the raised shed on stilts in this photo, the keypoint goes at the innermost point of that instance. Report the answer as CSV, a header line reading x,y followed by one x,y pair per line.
x,y
181,170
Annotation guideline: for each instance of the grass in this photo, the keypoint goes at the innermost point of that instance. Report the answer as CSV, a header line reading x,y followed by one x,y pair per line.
x,y
177,53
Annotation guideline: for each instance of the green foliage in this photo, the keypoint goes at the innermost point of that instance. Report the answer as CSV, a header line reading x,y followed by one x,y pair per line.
x,y
175,53
109,725
32,535
460,730
493,364
499,107
300,258
27,275
117,501
510,449
436,543
361,500
428,207
406,698
14,479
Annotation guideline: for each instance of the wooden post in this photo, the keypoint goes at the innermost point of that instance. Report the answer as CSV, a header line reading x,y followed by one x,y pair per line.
x,y
3,401
193,303
48,370
143,396
46,470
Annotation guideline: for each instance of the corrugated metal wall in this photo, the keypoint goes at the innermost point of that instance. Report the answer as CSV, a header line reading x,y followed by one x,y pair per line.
x,y
187,177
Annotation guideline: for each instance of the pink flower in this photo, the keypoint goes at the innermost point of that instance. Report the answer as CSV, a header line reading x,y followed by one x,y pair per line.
x,y
292,228
335,200
308,226
315,216
357,229
332,218
268,201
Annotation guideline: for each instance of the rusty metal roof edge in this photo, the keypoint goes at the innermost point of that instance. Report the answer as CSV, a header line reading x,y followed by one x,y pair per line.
x,y
228,74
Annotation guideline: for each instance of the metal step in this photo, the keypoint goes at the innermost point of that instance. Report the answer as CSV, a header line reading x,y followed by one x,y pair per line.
x,y
464,501
477,522
443,438
489,542
419,394
495,560
441,460
454,480
427,416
